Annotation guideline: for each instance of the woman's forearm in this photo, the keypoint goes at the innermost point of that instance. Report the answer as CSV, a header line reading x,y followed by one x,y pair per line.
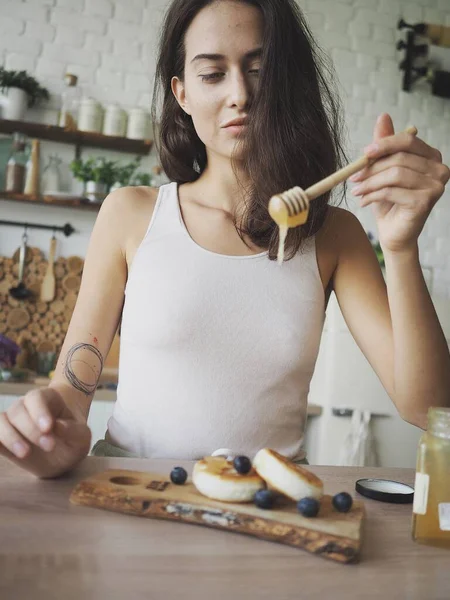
x,y
421,354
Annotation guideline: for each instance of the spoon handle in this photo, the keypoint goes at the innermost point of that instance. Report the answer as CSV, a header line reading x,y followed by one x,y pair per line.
x,y
23,251
329,182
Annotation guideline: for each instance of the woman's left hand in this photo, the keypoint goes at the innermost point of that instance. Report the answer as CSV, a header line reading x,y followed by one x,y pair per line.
x,y
402,185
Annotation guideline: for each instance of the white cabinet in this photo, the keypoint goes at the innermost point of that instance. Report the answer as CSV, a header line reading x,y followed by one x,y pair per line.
x,y
343,378
99,414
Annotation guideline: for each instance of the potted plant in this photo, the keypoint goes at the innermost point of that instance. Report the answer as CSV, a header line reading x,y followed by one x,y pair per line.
x,y
97,174
82,170
124,173
142,179
18,90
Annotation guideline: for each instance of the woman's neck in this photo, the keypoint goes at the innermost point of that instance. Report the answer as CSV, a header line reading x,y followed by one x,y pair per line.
x,y
221,189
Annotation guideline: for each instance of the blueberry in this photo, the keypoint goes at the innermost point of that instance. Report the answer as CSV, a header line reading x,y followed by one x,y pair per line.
x,y
178,475
308,507
342,502
264,498
242,464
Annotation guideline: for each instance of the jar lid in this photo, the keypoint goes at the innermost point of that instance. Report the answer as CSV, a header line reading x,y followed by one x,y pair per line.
x,y
385,490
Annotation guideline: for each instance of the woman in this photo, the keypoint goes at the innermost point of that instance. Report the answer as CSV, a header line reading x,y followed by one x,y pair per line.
x,y
218,342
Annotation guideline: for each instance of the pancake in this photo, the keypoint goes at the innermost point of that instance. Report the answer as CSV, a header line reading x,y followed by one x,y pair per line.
x,y
216,478
285,476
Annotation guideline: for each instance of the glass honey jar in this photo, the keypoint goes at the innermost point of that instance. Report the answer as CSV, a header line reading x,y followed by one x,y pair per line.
x,y
431,508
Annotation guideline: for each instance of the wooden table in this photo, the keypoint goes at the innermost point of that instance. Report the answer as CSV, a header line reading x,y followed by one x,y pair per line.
x,y
51,549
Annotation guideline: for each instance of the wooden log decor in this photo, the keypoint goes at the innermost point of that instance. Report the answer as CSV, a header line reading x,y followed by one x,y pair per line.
x,y
71,283
18,318
75,264
332,535
45,322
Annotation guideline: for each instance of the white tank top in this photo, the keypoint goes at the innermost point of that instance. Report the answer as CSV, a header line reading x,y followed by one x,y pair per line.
x,y
216,351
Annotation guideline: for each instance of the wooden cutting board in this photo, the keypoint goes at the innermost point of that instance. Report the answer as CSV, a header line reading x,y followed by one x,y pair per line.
x,y
331,534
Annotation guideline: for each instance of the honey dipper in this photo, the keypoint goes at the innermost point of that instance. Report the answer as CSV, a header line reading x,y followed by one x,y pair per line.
x,y
290,208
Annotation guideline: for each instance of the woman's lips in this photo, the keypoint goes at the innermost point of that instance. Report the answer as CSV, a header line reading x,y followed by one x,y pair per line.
x,y
235,128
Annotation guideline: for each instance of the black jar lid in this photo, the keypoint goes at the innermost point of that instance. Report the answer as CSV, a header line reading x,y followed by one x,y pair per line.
x,y
385,490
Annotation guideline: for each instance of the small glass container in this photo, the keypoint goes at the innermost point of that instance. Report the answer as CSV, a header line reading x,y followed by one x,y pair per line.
x,y
16,165
431,508
68,115
45,362
51,176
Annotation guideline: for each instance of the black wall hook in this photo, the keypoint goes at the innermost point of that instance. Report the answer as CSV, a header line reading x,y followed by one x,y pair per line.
x,y
67,229
419,28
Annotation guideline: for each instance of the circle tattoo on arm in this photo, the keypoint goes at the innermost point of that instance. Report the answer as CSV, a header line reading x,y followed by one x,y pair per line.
x,y
83,367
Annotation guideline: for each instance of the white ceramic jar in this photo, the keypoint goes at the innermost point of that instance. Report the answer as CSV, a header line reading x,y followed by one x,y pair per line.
x,y
138,124
90,115
115,121
13,103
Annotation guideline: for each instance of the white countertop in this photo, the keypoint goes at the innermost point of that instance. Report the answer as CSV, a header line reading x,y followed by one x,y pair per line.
x,y
19,389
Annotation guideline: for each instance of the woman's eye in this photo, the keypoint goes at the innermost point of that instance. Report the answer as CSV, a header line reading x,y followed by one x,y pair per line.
x,y
217,75
211,76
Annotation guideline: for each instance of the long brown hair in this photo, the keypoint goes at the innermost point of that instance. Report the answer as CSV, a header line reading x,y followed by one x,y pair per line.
x,y
294,128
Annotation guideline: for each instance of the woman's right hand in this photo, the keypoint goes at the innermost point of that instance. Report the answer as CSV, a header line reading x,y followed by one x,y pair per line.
x,y
39,433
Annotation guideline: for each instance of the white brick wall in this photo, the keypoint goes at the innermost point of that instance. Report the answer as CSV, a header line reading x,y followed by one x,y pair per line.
x,y
110,45
361,35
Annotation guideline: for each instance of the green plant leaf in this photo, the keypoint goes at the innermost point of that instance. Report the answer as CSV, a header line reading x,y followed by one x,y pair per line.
x,y
23,81
142,179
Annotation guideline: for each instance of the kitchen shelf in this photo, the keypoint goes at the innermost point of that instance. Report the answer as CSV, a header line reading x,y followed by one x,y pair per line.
x,y
78,138
77,202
